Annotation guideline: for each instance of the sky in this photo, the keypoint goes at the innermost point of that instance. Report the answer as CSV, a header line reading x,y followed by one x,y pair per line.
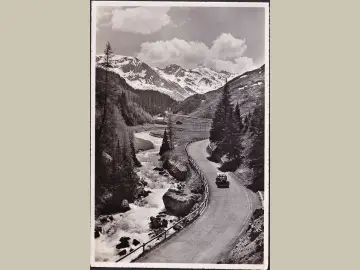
x,y
222,38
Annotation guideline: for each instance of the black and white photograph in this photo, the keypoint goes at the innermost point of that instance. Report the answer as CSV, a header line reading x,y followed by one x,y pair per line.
x,y
180,134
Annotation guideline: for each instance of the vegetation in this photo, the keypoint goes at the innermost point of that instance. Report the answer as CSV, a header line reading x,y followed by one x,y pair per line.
x,y
171,131
165,146
153,102
115,159
239,138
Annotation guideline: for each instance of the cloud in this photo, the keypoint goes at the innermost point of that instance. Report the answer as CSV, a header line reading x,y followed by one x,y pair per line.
x,y
175,51
142,20
103,15
226,47
226,53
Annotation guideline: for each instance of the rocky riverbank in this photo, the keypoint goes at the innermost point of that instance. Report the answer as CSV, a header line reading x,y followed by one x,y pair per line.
x,y
118,234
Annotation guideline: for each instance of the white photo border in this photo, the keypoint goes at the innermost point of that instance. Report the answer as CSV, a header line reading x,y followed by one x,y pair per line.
x,y
265,5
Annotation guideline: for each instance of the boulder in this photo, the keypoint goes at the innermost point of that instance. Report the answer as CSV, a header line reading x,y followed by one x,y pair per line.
x,y
180,204
123,245
164,223
135,242
124,239
177,167
155,222
97,234
122,252
125,205
177,227
103,219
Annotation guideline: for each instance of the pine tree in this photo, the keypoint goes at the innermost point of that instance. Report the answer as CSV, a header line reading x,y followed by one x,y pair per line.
x,y
221,115
238,119
102,96
170,126
125,111
106,64
165,146
133,152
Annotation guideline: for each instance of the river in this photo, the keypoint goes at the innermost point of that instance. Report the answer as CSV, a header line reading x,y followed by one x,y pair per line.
x,y
135,222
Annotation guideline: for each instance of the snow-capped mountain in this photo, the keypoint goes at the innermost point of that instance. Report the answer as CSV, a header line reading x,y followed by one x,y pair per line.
x,y
173,80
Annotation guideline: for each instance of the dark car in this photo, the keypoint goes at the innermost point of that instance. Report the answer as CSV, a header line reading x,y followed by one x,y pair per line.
x,y
221,181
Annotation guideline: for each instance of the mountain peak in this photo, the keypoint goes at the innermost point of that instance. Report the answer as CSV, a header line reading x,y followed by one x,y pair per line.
x,y
173,80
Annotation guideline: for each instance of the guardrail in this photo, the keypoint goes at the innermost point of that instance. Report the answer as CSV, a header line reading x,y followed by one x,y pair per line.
x,y
183,222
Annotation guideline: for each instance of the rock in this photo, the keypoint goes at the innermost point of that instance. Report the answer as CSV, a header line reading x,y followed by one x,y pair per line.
x,y
161,172
111,218
177,167
179,204
131,249
178,122
164,223
103,220
97,234
135,242
177,227
122,252
158,169
125,205
123,245
155,223
124,239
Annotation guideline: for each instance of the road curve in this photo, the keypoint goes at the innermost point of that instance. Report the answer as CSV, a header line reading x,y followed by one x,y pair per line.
x,y
213,234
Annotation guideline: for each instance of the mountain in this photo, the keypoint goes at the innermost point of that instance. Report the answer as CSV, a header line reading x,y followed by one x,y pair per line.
x,y
246,89
142,102
172,80
200,79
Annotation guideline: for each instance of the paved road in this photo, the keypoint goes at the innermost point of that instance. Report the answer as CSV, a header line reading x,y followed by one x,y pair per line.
x,y
213,233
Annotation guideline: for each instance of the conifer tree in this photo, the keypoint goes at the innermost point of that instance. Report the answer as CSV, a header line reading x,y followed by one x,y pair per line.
x,y
221,115
133,152
171,132
165,146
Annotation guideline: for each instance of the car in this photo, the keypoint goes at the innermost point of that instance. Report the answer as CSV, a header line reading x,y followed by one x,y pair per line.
x,y
221,181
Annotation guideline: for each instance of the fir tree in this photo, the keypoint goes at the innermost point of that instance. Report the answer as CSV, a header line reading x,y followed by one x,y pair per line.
x,y
165,146
170,126
125,111
133,152
221,115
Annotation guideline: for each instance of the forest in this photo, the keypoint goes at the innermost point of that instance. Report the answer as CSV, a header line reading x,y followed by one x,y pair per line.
x,y
116,183
239,138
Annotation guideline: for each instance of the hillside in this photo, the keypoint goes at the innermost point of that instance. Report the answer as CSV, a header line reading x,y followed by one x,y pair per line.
x,y
141,102
247,89
172,80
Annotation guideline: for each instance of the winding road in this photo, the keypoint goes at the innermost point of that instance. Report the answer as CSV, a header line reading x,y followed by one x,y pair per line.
x,y
214,233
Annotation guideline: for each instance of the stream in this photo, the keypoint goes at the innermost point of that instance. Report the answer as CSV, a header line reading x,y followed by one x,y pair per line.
x,y
135,222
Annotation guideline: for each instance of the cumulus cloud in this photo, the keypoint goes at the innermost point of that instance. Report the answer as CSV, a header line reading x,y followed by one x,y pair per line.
x,y
175,51
103,15
226,53
142,20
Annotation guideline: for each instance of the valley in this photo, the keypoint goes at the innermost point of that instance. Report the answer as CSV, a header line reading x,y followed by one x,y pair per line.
x,y
145,181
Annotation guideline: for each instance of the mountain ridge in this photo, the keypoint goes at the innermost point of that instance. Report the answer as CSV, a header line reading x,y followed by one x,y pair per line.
x,y
173,80
246,89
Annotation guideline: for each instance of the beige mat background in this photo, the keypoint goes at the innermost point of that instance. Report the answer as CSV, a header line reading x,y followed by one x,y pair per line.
x,y
45,135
